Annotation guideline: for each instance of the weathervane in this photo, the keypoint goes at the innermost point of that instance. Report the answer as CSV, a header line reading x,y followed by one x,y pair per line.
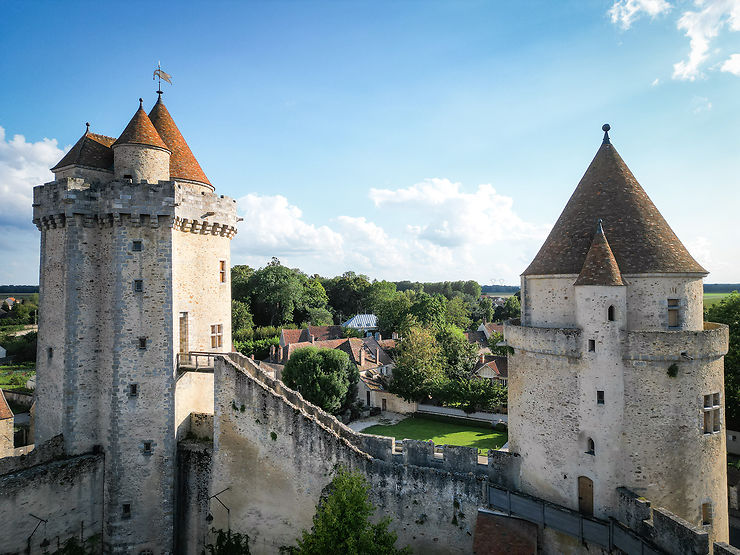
x,y
158,73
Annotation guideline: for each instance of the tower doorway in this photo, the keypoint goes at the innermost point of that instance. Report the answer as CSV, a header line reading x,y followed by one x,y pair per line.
x,y
184,332
585,496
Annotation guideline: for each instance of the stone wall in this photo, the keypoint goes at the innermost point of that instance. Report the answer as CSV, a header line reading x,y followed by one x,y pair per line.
x,y
66,492
193,394
6,437
194,466
274,453
141,162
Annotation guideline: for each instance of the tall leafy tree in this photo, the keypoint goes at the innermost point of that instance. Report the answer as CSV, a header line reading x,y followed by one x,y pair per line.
x,y
418,368
458,354
727,311
274,290
342,525
347,294
429,311
240,275
241,317
391,313
325,377
457,313
378,293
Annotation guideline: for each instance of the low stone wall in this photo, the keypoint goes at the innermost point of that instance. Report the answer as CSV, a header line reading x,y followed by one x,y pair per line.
x,y
274,453
710,343
551,341
24,400
492,417
64,495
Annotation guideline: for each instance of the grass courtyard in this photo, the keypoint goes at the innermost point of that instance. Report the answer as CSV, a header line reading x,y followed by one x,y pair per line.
x,y
443,431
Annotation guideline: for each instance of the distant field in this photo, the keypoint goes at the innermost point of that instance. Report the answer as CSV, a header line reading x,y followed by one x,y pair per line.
x,y
713,298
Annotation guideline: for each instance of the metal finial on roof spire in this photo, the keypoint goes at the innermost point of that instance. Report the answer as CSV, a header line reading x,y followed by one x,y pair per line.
x,y
141,103
605,128
87,127
599,227
158,73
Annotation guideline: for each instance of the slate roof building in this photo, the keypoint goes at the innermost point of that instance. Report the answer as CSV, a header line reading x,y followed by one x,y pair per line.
x,y
616,381
363,323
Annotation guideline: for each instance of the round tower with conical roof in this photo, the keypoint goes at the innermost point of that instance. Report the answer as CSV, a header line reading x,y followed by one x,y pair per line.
x,y
616,381
135,259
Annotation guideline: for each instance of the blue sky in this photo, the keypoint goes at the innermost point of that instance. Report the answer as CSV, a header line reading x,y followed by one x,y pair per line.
x,y
403,140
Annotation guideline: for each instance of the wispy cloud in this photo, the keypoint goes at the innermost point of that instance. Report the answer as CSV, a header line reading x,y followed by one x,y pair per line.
x,y
732,65
701,104
625,12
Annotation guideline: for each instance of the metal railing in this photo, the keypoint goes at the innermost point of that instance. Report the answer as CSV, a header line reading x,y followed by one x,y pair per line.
x,y
196,360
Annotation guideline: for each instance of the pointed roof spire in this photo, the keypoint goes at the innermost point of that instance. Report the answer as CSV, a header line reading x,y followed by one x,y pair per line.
x,y
91,150
141,131
605,128
600,267
641,240
183,164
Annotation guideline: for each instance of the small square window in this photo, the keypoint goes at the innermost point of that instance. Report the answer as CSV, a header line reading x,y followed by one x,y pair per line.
x,y
136,247
138,285
126,510
142,342
147,447
133,390
592,345
599,397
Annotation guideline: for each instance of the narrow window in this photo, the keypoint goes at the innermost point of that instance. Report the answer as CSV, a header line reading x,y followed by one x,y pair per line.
x,y
706,514
49,353
599,397
136,247
673,313
147,447
592,345
611,314
591,447
142,343
222,271
138,285
712,416
128,176
133,390
217,335
126,510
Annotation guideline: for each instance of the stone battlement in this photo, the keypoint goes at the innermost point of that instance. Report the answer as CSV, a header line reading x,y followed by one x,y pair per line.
x,y
678,346
552,341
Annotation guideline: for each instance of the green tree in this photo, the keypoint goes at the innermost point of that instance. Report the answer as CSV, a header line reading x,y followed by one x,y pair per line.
x,y
391,313
484,310
430,311
493,341
240,275
241,318
319,317
727,311
457,313
472,394
227,543
472,288
274,290
511,309
347,294
342,526
377,294
418,368
458,354
325,377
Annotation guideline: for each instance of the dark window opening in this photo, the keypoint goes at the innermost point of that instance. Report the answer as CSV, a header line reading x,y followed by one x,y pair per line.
x,y
147,447
591,447
133,390
138,285
142,342
128,176
599,397
50,352
126,511
706,514
592,345
611,314
136,246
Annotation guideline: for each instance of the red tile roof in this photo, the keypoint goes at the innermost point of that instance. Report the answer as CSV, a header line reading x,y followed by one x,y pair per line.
x,y
288,336
140,130
5,411
322,333
600,268
183,164
91,150
641,240
497,364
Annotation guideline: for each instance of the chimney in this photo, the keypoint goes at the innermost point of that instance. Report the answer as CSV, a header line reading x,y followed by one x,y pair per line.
x,y
362,357
378,336
377,355
313,339
251,356
482,358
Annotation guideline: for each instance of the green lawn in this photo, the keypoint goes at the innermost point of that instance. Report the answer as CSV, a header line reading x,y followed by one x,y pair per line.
x,y
713,298
15,376
443,432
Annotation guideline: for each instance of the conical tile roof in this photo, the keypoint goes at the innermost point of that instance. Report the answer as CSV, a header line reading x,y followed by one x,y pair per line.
x,y
140,131
183,164
640,239
92,150
600,267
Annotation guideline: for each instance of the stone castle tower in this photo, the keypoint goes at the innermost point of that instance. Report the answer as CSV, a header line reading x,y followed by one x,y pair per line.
x,y
616,380
134,275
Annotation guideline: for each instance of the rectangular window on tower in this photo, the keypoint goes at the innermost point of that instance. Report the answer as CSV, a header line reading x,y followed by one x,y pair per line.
x,y
217,336
599,397
673,307
712,416
222,271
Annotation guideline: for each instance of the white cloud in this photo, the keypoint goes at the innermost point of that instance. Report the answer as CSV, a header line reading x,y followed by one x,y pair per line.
x,y
625,12
655,83
23,165
701,27
732,65
701,104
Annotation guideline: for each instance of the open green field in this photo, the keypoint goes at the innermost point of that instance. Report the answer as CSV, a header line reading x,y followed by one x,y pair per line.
x,y
443,432
713,298
15,376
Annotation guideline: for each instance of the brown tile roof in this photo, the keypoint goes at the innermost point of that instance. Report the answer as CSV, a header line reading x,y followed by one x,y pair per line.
x,y
351,346
289,336
5,411
497,364
91,150
641,240
183,164
491,328
322,333
600,268
140,130
476,338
